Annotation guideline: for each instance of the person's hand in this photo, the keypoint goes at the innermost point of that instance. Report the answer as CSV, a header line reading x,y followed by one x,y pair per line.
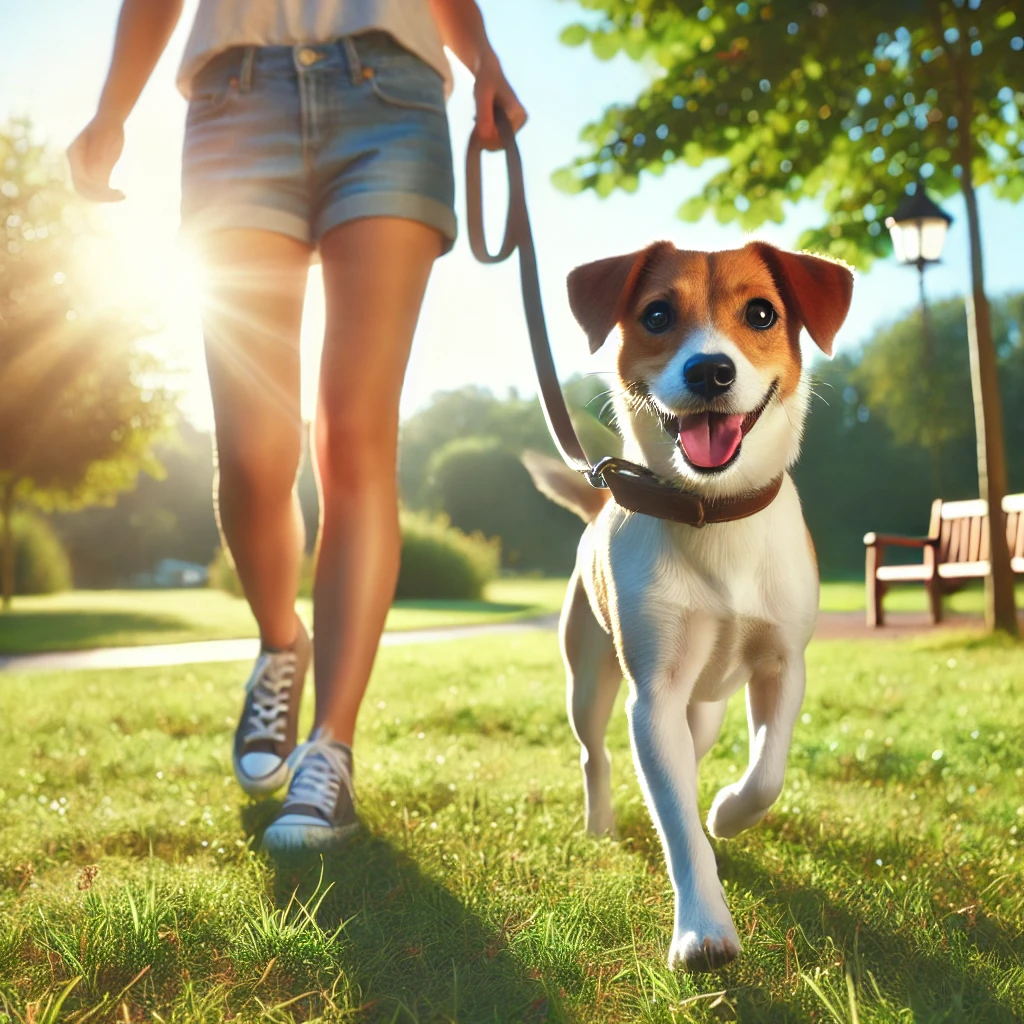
x,y
492,88
92,157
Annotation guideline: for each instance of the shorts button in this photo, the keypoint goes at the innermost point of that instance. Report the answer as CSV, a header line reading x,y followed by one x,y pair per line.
x,y
308,56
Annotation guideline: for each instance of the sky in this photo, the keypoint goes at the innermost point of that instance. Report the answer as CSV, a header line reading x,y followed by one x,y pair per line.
x,y
53,57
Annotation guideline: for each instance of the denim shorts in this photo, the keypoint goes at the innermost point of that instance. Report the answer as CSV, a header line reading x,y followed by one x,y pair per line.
x,y
300,139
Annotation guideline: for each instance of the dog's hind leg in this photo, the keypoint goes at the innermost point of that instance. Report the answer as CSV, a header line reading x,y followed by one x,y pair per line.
x,y
774,695
593,677
705,719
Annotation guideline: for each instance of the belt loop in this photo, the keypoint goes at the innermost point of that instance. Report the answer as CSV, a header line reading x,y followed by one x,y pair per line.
x,y
355,67
245,73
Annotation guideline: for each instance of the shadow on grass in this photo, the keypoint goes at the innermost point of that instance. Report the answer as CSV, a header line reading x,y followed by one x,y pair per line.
x,y
924,958
943,982
410,949
32,632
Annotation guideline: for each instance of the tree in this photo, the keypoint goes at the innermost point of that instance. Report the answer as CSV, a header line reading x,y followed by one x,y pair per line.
x,y
81,401
931,408
850,104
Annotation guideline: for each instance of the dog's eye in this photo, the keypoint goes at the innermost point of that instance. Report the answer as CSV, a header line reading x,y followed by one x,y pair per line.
x,y
760,314
657,317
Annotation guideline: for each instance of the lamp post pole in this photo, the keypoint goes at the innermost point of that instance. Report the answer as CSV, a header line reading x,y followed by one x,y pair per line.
x,y
918,230
928,336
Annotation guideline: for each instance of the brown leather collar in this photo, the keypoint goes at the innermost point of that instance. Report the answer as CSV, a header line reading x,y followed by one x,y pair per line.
x,y
637,489
633,487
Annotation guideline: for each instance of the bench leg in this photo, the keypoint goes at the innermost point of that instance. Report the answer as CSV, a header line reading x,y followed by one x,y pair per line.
x,y
874,590
934,588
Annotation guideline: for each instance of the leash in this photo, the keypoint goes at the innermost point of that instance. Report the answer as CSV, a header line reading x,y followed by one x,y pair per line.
x,y
634,487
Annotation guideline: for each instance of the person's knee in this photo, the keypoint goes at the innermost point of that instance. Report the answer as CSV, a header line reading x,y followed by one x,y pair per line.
x,y
355,446
260,469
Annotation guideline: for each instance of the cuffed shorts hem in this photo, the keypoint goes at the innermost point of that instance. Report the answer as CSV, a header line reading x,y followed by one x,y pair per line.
x,y
407,205
245,215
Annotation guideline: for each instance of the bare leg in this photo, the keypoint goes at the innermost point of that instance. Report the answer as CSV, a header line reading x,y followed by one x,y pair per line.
x,y
593,677
375,274
254,283
774,695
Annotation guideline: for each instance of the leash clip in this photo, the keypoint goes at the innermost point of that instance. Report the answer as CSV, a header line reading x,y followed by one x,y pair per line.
x,y
595,474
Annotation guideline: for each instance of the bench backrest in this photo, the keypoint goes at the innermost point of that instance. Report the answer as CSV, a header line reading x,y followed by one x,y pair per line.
x,y
958,527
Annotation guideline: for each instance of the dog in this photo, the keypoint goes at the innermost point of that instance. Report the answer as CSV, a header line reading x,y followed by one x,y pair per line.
x,y
712,397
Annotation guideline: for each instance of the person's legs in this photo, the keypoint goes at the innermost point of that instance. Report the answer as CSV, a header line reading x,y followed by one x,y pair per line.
x,y
253,288
375,275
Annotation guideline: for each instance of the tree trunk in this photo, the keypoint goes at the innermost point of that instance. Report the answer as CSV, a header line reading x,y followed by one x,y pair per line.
x,y
7,550
1000,612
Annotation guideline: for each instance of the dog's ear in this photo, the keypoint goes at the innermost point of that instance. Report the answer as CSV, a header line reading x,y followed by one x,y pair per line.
x,y
816,289
599,292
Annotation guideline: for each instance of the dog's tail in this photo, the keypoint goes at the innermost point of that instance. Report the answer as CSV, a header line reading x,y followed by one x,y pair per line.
x,y
564,486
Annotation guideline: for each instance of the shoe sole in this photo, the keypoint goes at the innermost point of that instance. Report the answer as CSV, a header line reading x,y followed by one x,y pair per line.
x,y
307,838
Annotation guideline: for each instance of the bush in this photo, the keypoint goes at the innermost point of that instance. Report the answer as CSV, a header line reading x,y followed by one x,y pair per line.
x,y
41,565
482,486
438,561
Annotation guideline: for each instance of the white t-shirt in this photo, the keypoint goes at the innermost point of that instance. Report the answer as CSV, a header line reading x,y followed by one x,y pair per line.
x,y
223,24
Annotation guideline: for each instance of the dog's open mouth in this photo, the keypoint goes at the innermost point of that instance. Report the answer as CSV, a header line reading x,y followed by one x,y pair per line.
x,y
710,441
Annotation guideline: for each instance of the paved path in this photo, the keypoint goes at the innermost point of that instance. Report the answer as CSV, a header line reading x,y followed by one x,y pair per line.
x,y
831,626
158,655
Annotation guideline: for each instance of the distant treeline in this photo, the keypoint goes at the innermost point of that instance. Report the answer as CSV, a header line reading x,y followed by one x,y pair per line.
x,y
885,433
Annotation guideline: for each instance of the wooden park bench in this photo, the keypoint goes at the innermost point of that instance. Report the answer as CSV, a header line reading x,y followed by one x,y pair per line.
x,y
956,549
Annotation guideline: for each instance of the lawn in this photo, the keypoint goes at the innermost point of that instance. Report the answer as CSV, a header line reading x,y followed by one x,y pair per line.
x,y
848,596
886,886
115,618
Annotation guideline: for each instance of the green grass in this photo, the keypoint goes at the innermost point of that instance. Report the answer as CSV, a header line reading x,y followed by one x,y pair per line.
x,y
889,875
123,618
848,596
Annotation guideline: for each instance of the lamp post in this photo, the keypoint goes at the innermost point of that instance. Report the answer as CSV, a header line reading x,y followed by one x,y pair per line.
x,y
918,230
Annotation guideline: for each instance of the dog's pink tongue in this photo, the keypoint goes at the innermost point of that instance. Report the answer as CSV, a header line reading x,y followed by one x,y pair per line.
x,y
710,439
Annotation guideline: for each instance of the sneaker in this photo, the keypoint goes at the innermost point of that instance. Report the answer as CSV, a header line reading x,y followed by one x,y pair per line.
x,y
318,812
266,735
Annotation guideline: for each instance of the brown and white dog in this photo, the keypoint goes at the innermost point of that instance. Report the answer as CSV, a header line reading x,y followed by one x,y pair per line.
x,y
713,397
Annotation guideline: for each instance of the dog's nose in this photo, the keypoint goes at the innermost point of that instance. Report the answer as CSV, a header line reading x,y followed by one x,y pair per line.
x,y
709,375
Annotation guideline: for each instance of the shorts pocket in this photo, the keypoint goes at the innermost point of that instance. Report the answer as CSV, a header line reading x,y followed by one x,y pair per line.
x,y
409,84
210,95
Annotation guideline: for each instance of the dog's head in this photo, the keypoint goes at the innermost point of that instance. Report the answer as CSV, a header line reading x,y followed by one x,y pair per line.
x,y
709,363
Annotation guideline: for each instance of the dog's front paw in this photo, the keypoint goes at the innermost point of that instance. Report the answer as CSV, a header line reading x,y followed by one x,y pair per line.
x,y
736,808
704,949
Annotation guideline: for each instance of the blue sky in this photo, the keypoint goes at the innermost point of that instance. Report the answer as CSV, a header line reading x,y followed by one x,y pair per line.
x,y
53,56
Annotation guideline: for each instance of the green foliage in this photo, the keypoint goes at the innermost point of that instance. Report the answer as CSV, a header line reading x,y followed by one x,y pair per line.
x,y
82,400
170,516
440,561
923,396
892,856
848,103
460,456
41,565
483,486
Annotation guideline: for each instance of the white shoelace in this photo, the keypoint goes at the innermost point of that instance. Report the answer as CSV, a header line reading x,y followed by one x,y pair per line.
x,y
318,777
271,686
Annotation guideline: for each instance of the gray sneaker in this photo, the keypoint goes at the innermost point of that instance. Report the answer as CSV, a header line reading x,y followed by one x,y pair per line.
x,y
265,739
318,812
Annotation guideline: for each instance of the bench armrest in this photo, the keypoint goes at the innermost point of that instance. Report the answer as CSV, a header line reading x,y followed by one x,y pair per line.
x,y
893,540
